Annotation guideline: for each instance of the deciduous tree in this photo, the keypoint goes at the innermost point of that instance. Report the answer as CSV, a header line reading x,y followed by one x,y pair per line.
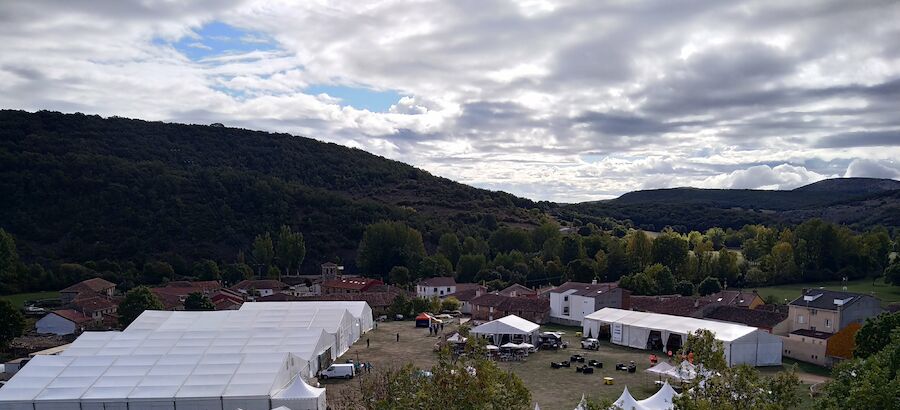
x,y
136,302
198,301
12,323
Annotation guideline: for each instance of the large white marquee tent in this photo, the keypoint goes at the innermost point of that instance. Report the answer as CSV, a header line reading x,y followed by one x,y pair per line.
x,y
251,360
361,311
743,344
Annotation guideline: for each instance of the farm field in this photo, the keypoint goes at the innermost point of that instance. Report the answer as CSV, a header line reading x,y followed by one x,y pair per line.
x,y
887,293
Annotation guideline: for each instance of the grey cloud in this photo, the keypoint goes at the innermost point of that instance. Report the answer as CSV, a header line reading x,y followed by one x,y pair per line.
x,y
861,139
872,169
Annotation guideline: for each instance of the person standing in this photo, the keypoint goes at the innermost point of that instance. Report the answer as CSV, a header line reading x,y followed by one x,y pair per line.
x,y
398,337
367,343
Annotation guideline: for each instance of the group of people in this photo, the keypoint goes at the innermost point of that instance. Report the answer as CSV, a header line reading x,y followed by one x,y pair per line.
x,y
435,328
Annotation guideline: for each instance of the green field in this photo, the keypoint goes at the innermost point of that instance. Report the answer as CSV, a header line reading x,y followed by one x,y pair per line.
x,y
18,300
887,293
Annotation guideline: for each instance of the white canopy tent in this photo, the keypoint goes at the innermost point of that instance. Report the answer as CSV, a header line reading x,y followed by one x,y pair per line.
x,y
661,400
300,396
743,344
361,311
511,327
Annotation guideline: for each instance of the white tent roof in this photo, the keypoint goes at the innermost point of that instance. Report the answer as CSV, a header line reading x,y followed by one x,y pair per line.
x,y
361,311
661,400
626,401
509,325
725,332
186,355
660,368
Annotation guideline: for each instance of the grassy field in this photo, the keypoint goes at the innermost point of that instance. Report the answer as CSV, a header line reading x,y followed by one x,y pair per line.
x,y
18,300
553,389
887,293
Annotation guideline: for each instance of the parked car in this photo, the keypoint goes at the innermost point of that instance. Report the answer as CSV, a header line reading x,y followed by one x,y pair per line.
x,y
590,344
344,370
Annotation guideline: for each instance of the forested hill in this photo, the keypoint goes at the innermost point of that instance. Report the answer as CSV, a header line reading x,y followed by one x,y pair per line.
x,y
857,202
77,187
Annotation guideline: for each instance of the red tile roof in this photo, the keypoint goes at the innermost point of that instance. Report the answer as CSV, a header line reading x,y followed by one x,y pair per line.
x,y
518,289
510,304
464,295
93,304
750,317
731,297
260,284
94,285
668,305
438,281
169,299
358,284
196,286
73,316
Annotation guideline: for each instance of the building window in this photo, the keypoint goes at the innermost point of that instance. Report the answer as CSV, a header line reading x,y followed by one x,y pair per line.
x,y
801,319
812,312
435,290
827,322
566,298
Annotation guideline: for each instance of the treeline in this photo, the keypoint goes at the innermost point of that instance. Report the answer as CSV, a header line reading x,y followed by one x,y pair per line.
x,y
672,262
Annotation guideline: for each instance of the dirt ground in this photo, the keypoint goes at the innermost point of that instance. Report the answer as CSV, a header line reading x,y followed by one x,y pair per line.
x,y
553,389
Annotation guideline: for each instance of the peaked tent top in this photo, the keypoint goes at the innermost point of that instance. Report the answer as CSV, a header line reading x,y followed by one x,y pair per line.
x,y
511,324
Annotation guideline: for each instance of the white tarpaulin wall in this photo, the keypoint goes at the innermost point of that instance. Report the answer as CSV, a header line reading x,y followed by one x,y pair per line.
x,y
509,325
361,311
743,344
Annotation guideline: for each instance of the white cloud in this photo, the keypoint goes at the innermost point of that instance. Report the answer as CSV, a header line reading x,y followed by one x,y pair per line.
x,y
566,101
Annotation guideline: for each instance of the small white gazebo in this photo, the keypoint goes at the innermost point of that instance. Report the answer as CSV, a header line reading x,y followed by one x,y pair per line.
x,y
300,396
507,328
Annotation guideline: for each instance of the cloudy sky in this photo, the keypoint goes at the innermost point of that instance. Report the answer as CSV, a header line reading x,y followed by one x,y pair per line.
x,y
564,101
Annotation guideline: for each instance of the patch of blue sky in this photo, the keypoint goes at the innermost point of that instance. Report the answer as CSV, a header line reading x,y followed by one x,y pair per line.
x,y
218,39
361,98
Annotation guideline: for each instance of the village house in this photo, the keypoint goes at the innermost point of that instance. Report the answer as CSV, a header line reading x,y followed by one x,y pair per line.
x,y
465,293
86,288
331,271
518,290
253,288
439,286
490,306
572,301
227,299
738,298
63,322
349,285
821,317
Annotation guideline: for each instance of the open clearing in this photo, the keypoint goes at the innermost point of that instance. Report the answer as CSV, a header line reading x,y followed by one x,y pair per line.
x,y
553,389
18,299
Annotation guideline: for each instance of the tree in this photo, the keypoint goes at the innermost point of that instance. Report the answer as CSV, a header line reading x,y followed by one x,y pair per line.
x,y
684,288
136,302
582,270
400,306
571,249
705,349
291,249
508,239
892,274
435,265
468,267
156,272
448,245
639,284
12,323
273,272
875,334
237,272
638,249
743,387
388,244
468,382
198,301
662,277
400,276
669,250
602,264
709,286
725,266
9,264
870,383
206,269
263,249
547,230
450,304
717,237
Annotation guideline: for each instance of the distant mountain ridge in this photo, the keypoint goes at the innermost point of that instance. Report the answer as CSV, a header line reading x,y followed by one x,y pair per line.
x,y
860,202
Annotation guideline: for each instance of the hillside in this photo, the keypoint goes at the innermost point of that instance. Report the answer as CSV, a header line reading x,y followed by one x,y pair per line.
x,y
78,188
858,202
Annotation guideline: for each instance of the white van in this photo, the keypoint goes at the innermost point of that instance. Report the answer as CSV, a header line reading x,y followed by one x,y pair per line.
x,y
338,370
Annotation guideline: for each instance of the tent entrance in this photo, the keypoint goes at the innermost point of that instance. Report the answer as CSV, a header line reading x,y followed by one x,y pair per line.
x,y
654,341
604,333
674,343
325,360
